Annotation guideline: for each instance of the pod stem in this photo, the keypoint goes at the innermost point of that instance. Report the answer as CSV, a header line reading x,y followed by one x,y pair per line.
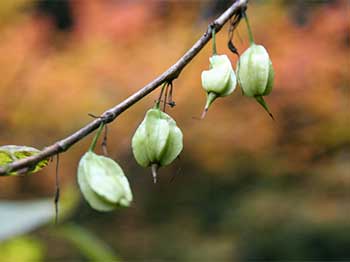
x,y
94,141
210,99
250,33
154,168
213,40
262,102
157,104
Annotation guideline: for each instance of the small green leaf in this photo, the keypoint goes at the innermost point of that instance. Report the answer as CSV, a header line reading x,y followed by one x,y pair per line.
x,y
11,153
5,158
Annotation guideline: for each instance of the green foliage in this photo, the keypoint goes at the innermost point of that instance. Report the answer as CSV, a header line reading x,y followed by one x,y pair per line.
x,y
24,249
11,153
87,243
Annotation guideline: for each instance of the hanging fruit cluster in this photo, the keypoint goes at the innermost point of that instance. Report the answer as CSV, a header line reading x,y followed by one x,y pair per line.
x,y
255,73
158,140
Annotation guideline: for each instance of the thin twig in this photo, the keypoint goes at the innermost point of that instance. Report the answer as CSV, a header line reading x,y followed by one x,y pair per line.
x,y
108,116
160,95
57,190
171,102
104,142
165,97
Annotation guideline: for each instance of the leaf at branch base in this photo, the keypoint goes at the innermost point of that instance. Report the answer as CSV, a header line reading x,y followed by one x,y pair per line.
x,y
11,153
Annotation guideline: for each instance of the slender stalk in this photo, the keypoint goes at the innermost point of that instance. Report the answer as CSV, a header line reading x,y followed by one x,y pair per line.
x,y
262,102
57,192
250,33
94,141
210,99
165,97
213,39
157,105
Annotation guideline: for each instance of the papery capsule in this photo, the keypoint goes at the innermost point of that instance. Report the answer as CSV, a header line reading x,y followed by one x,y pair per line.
x,y
103,183
157,141
219,80
255,73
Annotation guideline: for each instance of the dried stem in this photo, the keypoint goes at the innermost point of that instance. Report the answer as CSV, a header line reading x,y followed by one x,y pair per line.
x,y
57,188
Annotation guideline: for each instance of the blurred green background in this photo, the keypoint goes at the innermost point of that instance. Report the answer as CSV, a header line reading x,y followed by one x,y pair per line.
x,y
244,188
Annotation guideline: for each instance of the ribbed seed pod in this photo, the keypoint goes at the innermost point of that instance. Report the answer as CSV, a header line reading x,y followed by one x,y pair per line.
x,y
219,80
255,74
157,141
103,183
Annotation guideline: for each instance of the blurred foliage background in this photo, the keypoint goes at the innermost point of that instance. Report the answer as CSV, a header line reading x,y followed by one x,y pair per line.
x,y
245,187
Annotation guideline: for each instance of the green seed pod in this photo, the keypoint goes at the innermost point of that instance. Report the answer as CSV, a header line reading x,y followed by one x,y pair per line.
x,y
103,183
219,81
157,141
255,74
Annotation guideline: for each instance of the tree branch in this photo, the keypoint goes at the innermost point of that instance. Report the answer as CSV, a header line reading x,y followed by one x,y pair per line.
x,y
111,114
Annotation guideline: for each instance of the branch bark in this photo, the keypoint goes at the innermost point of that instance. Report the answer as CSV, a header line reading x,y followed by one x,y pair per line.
x,y
111,114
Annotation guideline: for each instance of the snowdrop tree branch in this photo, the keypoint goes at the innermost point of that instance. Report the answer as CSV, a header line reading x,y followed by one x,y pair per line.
x,y
111,114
